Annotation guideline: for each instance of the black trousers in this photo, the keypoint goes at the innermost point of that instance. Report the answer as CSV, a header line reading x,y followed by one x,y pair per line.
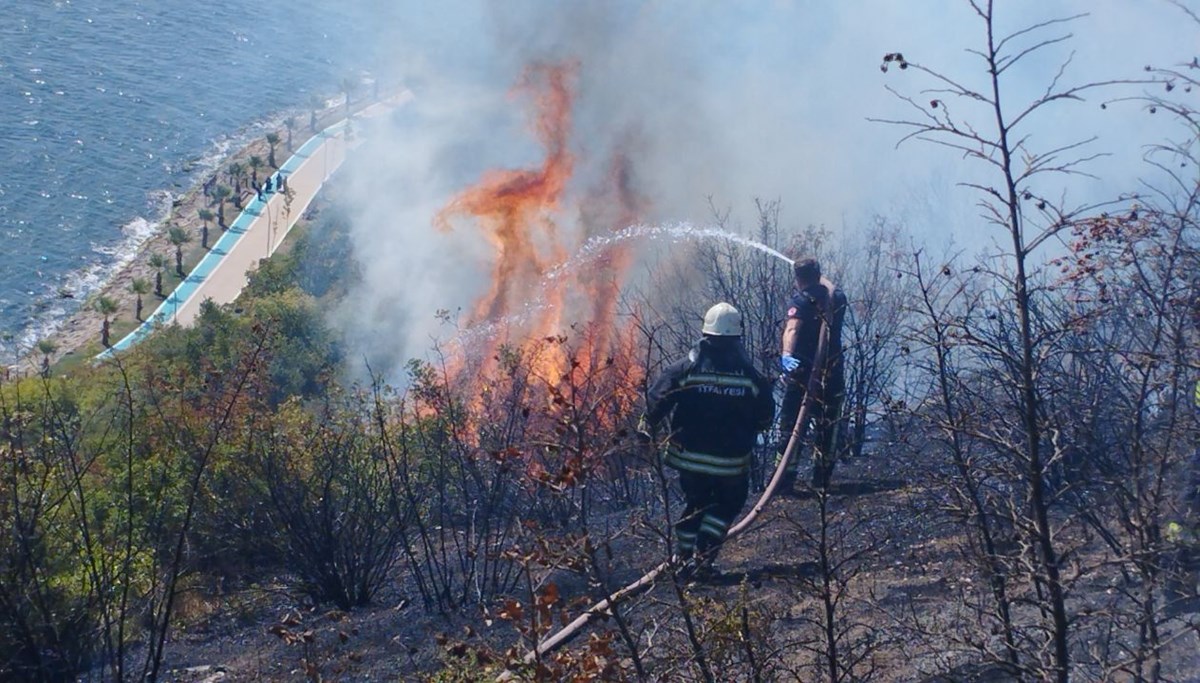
x,y
711,506
826,421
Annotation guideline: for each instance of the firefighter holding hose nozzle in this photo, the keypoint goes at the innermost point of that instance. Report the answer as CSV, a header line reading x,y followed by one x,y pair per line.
x,y
815,301
716,403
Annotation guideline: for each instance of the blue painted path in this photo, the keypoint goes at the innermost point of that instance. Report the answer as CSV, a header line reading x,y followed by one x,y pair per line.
x,y
165,313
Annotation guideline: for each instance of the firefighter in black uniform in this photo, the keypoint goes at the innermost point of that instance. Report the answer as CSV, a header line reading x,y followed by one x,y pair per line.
x,y
717,403
815,300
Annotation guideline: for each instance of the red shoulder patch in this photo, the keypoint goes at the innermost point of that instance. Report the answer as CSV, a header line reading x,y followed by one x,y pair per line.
x,y
791,311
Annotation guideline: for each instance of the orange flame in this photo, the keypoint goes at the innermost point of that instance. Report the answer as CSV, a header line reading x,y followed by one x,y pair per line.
x,y
514,207
519,212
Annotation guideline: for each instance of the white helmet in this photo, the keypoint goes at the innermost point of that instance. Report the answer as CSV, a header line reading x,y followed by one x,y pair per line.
x,y
723,320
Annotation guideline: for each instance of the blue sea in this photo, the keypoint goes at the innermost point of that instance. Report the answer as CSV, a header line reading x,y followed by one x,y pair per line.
x,y
110,109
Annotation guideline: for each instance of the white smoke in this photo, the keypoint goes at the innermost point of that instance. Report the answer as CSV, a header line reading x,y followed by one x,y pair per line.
x,y
721,100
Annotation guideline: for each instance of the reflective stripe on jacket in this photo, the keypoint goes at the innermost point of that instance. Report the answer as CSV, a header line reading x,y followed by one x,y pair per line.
x,y
716,403
702,463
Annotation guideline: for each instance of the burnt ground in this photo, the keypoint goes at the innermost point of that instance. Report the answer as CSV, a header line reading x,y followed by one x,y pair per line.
x,y
903,597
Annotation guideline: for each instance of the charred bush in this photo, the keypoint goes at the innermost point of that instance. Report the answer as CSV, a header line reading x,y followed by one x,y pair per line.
x,y
328,489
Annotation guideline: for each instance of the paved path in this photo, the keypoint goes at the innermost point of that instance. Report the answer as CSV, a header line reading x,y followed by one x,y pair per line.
x,y
260,228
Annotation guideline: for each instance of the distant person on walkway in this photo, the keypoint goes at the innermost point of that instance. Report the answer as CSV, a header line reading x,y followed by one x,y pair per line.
x,y
267,185
815,301
716,403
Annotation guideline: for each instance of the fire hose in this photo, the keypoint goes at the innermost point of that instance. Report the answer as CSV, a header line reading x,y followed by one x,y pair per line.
x,y
813,389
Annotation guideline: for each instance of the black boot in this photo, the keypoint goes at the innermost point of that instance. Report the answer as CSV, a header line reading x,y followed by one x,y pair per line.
x,y
683,564
691,571
699,568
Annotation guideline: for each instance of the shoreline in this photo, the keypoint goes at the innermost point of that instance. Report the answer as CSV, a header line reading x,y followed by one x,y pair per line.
x,y
81,329
132,233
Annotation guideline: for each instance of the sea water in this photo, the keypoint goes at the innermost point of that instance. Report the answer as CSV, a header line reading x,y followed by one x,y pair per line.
x,y
114,108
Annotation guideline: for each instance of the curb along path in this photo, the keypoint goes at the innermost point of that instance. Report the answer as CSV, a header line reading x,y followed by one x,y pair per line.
x,y
260,228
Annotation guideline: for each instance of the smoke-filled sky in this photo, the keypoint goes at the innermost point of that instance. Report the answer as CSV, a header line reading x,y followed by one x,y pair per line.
x,y
731,101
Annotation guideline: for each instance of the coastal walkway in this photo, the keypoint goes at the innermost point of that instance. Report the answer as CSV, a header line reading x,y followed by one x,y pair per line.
x,y
261,227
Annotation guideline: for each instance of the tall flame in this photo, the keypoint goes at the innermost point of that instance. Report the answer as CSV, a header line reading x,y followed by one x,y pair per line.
x,y
514,208
520,213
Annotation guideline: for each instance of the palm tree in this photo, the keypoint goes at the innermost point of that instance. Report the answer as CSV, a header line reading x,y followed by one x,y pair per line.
x,y
178,237
290,124
47,348
106,307
236,173
272,140
140,287
315,104
158,262
206,216
348,85
256,163
221,194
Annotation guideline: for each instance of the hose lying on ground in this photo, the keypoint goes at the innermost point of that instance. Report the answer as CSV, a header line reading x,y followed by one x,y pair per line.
x,y
814,389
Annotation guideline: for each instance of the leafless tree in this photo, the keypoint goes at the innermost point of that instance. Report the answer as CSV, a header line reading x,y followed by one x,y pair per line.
x,y
878,298
1011,342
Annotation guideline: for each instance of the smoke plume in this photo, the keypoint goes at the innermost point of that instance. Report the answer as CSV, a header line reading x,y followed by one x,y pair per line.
x,y
665,109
